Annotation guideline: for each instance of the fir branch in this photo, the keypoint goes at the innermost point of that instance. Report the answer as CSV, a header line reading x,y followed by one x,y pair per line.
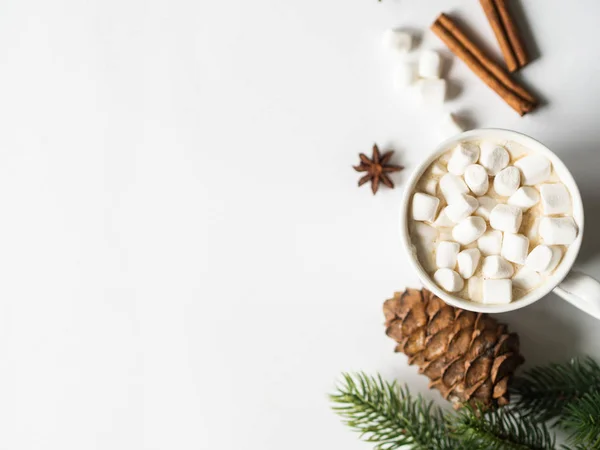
x,y
387,415
582,419
501,430
544,392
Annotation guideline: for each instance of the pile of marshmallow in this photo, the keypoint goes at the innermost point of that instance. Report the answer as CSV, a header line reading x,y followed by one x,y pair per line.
x,y
424,75
489,227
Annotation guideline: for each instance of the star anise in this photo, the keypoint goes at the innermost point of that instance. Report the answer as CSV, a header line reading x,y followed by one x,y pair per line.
x,y
377,169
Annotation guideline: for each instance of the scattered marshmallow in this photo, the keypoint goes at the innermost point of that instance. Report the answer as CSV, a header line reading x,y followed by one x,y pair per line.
x,y
475,289
497,292
490,243
430,186
555,199
486,205
558,230
515,247
443,221
506,218
477,179
496,267
446,253
535,169
493,157
449,126
397,40
468,260
430,64
462,157
432,92
524,198
544,259
460,208
424,207
405,74
437,169
449,280
469,230
452,187
526,279
507,181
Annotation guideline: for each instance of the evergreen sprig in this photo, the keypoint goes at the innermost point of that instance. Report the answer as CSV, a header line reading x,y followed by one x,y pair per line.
x,y
582,419
387,415
390,417
501,430
544,392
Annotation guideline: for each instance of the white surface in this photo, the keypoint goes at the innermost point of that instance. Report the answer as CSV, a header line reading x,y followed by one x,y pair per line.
x,y
186,260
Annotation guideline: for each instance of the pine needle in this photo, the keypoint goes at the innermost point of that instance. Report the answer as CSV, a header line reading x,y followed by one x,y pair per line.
x,y
544,392
387,415
582,419
501,430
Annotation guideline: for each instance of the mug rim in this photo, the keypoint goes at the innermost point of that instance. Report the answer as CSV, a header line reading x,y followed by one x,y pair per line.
x,y
565,177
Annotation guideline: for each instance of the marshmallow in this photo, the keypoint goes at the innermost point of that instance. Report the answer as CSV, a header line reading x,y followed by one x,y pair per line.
x,y
405,74
535,169
533,231
497,292
490,243
469,230
424,207
544,259
515,248
493,157
430,64
445,234
486,204
477,179
524,198
506,218
449,126
558,230
557,254
527,279
507,181
443,221
448,280
555,199
452,187
432,92
475,289
430,186
397,40
425,232
437,169
445,255
496,267
468,260
460,208
462,157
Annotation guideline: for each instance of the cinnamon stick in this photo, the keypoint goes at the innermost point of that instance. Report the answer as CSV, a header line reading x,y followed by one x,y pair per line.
x,y
484,59
496,22
512,32
481,64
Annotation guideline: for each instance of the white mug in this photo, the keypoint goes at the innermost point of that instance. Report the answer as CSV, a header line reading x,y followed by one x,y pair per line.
x,y
577,288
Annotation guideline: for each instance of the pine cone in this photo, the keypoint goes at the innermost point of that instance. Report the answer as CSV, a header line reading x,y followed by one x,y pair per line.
x,y
468,356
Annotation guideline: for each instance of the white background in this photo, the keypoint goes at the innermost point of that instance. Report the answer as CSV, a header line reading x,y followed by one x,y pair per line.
x,y
185,259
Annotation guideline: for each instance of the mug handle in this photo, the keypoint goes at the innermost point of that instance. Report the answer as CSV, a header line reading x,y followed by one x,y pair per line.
x,y
582,291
